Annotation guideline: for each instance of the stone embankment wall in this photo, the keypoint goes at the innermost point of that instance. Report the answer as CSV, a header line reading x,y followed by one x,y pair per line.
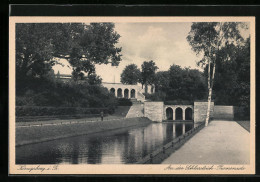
x,y
200,111
224,112
36,134
154,111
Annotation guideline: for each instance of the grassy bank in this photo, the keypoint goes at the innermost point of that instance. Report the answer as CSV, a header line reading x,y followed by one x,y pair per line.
x,y
35,134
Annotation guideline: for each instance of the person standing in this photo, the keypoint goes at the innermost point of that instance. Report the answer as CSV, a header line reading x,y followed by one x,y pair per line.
x,y
102,115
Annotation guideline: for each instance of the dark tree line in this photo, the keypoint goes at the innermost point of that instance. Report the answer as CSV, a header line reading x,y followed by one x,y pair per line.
x,y
180,84
175,84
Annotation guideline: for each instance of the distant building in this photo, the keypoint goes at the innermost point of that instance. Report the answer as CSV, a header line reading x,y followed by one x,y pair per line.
x,y
120,90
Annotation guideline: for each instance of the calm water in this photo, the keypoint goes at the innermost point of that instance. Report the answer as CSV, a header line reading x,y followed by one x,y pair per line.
x,y
126,146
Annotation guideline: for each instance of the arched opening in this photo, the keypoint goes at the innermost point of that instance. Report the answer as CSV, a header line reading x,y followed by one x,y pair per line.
x,y
112,91
169,113
178,114
119,93
126,93
133,93
188,114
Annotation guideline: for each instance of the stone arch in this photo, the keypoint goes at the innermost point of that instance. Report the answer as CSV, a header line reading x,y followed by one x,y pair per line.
x,y
112,91
169,113
178,114
119,93
126,93
188,113
133,93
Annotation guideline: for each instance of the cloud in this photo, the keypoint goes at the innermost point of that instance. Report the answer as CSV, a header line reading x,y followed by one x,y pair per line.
x,y
164,43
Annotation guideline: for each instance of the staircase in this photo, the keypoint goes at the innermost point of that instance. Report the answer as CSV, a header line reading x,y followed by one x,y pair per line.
x,y
135,101
136,110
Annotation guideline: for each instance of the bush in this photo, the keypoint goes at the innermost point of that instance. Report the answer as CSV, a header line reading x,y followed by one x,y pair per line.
x,y
55,93
178,102
158,96
124,102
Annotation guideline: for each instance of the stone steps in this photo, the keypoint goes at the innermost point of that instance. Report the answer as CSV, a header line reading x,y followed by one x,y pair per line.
x,y
135,101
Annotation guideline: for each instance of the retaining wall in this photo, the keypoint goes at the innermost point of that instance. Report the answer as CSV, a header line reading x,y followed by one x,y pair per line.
x,y
154,111
224,112
200,111
35,134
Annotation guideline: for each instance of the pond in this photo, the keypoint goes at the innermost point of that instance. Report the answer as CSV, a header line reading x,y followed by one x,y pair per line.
x,y
121,147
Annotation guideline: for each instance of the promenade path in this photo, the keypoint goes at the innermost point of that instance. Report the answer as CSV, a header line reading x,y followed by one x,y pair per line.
x,y
221,142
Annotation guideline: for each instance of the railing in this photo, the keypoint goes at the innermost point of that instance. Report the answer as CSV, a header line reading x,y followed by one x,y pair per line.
x,y
165,151
44,123
55,117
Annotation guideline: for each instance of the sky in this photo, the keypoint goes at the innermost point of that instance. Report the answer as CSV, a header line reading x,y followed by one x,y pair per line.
x,y
164,43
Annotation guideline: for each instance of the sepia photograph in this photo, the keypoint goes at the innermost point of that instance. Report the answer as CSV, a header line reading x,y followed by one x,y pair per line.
x,y
132,95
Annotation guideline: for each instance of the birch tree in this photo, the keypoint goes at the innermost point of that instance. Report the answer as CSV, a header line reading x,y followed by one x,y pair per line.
x,y
208,39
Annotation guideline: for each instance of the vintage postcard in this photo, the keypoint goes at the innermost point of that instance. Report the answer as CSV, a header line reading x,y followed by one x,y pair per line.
x,y
131,95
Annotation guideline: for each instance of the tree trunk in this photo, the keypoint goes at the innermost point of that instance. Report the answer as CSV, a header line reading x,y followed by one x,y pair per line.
x,y
209,96
210,93
208,110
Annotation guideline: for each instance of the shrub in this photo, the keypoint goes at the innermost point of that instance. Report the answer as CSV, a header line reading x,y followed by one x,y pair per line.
x,y
55,93
158,96
178,102
124,102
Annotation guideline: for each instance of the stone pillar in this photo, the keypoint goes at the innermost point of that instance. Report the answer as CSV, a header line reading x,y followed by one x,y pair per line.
x,y
183,128
173,130
116,92
183,114
164,114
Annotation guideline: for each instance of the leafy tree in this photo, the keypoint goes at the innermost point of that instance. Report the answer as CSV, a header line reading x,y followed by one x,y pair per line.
x,y
209,39
94,79
232,80
162,81
185,84
37,44
148,73
131,74
179,84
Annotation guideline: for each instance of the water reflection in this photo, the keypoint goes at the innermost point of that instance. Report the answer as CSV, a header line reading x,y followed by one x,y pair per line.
x,y
125,146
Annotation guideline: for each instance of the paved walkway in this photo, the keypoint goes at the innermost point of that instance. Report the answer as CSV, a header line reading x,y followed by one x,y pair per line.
x,y
221,142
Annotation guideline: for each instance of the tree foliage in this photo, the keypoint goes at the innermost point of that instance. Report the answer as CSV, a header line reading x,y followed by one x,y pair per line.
x,y
232,80
57,93
37,44
180,84
148,73
41,45
131,74
214,41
